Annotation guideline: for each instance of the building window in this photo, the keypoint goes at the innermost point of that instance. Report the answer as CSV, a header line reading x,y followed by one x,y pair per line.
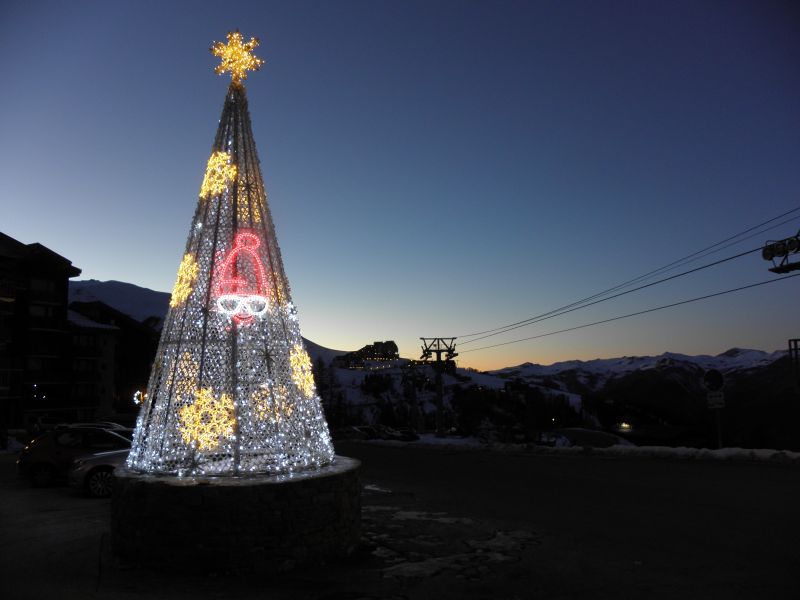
x,y
84,341
39,310
70,439
43,285
83,365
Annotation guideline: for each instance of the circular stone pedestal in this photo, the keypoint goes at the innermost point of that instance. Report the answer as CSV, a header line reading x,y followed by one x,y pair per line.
x,y
262,523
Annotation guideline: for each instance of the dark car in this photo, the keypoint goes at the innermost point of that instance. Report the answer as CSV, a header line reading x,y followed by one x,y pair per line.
x,y
586,438
47,458
94,473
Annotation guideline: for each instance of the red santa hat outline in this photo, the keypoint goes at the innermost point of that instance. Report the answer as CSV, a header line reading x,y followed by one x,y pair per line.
x,y
236,295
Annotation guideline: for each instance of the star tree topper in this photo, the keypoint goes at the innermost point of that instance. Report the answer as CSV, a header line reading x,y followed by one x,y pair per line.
x,y
236,56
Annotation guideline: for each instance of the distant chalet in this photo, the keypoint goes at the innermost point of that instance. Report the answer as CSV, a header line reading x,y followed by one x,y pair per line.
x,y
378,355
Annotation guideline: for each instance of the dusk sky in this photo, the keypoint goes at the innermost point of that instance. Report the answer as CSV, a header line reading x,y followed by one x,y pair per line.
x,y
433,168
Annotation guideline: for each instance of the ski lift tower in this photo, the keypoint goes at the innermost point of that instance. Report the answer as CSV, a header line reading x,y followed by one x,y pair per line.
x,y
439,346
778,252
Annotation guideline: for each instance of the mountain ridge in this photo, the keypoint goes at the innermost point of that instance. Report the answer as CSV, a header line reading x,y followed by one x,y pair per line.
x,y
730,360
142,303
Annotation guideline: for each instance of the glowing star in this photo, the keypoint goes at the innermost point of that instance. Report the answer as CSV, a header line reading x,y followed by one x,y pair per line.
x,y
302,375
242,286
219,173
208,420
275,406
236,56
187,275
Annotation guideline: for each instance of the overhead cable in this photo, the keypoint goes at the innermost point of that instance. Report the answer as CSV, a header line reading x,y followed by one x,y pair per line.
x,y
553,314
634,314
675,264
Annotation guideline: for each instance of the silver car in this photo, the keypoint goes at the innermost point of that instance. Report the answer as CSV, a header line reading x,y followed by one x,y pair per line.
x,y
95,472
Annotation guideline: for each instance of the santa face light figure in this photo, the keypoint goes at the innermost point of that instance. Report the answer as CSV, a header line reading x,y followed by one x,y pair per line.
x,y
242,290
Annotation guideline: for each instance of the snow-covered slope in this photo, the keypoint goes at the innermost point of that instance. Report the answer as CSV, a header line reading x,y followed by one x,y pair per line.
x,y
137,302
143,303
316,352
732,360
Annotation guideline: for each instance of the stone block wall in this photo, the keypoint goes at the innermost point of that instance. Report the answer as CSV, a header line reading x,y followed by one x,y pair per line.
x,y
232,524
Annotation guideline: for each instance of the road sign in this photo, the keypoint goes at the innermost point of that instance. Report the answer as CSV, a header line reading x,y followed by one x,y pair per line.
x,y
716,400
713,380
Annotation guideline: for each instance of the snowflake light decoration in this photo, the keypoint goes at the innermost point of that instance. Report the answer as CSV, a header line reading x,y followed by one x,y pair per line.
x,y
302,375
183,377
187,275
219,173
236,56
248,205
274,405
207,420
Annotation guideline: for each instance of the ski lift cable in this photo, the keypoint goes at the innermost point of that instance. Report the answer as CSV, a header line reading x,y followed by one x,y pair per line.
x,y
673,265
634,314
636,289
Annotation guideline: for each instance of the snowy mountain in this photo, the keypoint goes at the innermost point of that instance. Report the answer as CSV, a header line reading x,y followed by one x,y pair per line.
x,y
137,302
317,352
143,304
659,399
595,373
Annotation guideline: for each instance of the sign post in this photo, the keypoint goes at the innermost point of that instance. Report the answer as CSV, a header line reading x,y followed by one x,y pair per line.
x,y
714,382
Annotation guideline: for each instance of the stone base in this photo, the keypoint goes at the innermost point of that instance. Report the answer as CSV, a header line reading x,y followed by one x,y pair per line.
x,y
263,523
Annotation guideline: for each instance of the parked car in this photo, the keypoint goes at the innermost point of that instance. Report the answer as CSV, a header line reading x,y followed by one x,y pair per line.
x,y
47,458
587,438
94,473
39,424
102,424
400,435
374,432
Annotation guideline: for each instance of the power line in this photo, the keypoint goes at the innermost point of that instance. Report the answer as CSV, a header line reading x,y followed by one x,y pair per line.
x,y
641,312
669,267
675,264
558,313
703,254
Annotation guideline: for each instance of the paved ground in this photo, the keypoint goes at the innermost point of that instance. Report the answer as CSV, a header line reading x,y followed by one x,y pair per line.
x,y
468,524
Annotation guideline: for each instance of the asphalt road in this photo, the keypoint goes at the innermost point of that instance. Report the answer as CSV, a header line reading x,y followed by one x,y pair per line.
x,y
440,524
620,527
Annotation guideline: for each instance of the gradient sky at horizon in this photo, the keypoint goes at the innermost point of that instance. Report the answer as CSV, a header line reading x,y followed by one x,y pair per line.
x,y
433,168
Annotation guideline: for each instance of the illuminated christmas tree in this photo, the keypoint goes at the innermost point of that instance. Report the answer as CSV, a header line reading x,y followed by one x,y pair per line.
x,y
231,391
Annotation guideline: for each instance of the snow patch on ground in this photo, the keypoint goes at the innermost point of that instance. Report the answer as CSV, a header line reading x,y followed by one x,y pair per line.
x,y
377,489
681,452
438,517
430,439
502,547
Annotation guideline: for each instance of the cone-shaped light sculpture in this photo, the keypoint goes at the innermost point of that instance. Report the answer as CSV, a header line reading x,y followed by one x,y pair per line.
x,y
231,391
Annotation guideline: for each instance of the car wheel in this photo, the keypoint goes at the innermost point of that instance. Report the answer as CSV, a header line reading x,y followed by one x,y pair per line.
x,y
42,475
100,483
